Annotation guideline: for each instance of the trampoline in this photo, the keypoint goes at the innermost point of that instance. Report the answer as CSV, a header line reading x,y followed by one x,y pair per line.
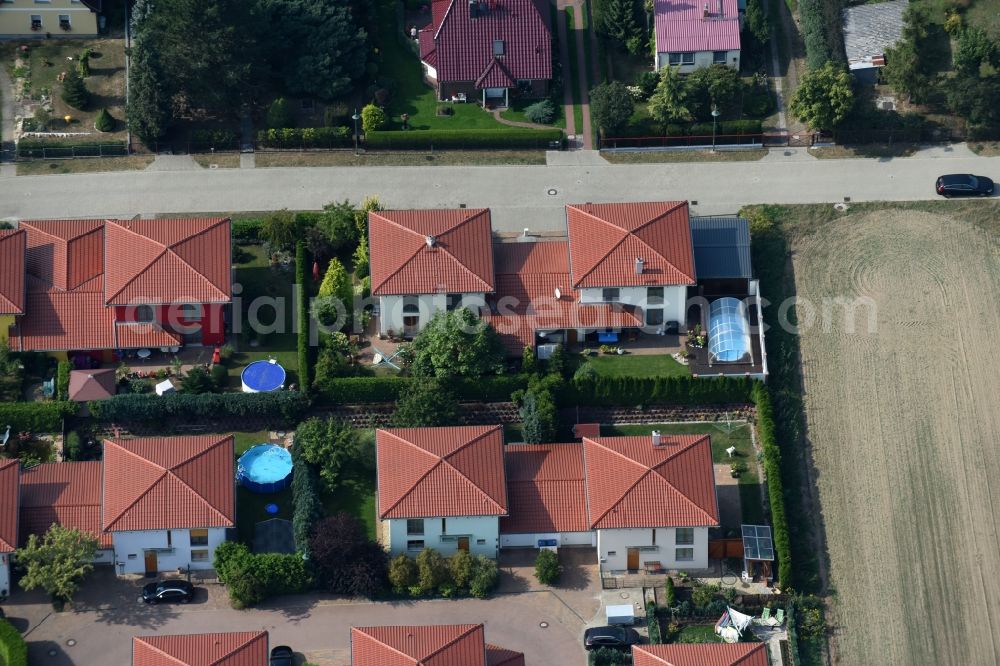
x,y
264,469
263,376
728,331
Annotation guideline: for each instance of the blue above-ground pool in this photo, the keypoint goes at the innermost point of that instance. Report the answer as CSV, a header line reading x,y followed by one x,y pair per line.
x,y
265,468
263,376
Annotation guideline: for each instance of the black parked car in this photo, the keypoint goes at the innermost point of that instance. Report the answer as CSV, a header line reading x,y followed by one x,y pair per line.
x,y
168,591
281,655
621,638
963,185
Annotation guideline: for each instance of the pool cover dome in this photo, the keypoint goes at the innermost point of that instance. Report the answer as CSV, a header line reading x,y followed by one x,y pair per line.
x,y
728,331
263,376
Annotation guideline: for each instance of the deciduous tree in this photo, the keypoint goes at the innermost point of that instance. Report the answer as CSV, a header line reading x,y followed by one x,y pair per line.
x,y
824,96
57,561
344,455
612,106
456,344
345,560
426,403
668,102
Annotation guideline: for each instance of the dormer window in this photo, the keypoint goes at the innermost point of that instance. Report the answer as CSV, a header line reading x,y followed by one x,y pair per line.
x,y
497,48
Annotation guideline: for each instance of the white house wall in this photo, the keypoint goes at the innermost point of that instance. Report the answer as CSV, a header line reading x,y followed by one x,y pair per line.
x,y
391,308
563,539
4,575
701,59
130,549
674,300
613,545
483,533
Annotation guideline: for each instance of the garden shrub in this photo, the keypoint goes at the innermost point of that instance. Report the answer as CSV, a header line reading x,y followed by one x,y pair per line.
x,y
279,114
403,573
669,593
246,230
539,415
484,577
353,390
653,624
820,33
220,376
775,489
252,578
305,498
372,118
308,137
222,139
462,139
74,90
541,112
631,391
36,417
104,121
70,147
302,296
547,567
605,656
73,446
278,408
432,570
13,648
62,380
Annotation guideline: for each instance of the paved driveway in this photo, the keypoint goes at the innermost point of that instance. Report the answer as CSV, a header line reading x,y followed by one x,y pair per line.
x,y
109,615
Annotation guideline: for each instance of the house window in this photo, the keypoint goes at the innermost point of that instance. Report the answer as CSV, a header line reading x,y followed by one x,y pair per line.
x,y
170,539
687,58
131,556
199,537
480,542
654,536
684,554
654,317
654,295
43,2
497,47
199,555
612,553
719,57
64,21
415,526
674,58
415,544
444,526
610,294
144,314
685,536
36,22
411,306
191,311
452,301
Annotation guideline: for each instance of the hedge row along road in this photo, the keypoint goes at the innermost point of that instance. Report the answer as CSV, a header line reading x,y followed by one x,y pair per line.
x,y
519,196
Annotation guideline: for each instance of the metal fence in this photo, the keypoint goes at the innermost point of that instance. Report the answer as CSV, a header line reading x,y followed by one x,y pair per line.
x,y
700,141
32,150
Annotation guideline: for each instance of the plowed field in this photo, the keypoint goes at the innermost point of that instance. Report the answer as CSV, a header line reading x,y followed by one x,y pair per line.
x,y
904,423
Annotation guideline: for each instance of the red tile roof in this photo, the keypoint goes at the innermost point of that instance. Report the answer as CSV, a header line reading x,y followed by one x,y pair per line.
x,y
499,656
9,491
403,262
150,261
87,385
528,275
158,483
496,75
157,261
67,494
547,489
434,645
440,472
681,26
581,430
700,654
606,239
631,483
247,648
463,44
13,244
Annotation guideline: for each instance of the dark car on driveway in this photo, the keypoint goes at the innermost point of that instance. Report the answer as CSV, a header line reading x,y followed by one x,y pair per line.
x,y
281,655
167,591
620,638
963,185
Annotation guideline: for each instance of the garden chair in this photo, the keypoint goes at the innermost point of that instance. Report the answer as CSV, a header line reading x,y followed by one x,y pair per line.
x,y
765,616
779,617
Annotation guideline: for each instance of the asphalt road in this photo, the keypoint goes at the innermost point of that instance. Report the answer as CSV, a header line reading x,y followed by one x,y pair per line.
x,y
520,196
320,632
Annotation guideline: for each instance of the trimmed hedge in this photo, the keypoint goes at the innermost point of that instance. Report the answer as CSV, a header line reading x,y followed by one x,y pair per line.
x,y
307,137
723,128
13,649
247,230
431,139
62,380
305,498
279,407
302,303
820,33
35,416
653,624
632,391
69,148
351,390
775,488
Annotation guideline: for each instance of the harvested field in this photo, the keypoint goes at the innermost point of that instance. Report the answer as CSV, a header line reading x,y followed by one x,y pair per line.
x,y
904,426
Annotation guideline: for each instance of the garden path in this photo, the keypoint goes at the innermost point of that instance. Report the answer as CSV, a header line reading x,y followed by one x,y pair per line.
x,y
515,123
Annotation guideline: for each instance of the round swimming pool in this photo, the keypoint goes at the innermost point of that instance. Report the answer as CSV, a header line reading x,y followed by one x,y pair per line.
x,y
265,468
263,376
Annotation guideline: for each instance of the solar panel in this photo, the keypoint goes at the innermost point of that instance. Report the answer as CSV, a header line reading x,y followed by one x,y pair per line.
x,y
757,542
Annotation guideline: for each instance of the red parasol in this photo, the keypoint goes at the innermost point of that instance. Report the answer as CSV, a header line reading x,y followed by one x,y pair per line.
x,y
315,271
217,356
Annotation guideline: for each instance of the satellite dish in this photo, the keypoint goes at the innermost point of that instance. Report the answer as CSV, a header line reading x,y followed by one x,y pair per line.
x,y
558,294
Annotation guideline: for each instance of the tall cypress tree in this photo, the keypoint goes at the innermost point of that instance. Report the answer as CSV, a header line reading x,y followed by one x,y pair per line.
x,y
75,91
148,102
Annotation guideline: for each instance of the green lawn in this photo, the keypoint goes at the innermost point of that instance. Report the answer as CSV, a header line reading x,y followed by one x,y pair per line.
x,y
516,113
572,73
697,634
246,440
985,14
722,436
359,504
250,510
513,433
259,280
635,365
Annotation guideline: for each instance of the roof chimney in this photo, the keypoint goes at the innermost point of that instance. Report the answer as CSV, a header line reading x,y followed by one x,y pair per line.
x,y
524,234
430,240
639,263
657,439
704,12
